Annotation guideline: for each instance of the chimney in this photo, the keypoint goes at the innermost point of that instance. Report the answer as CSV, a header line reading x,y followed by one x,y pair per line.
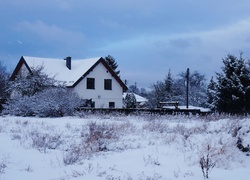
x,y
68,62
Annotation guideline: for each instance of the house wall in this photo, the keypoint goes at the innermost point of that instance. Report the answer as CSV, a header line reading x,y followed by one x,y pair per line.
x,y
99,95
22,72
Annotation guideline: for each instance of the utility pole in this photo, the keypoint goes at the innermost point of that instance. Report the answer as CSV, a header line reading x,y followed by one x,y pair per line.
x,y
187,86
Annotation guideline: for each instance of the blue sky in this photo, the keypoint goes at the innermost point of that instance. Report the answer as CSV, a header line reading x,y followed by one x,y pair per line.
x,y
146,37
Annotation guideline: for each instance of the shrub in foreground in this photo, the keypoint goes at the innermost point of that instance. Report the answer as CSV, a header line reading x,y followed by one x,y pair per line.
x,y
52,102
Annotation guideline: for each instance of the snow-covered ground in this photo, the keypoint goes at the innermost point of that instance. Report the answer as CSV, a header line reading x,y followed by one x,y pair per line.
x,y
123,147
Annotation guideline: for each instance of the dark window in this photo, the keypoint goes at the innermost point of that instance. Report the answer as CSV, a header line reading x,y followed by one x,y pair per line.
x,y
108,84
90,83
93,104
111,104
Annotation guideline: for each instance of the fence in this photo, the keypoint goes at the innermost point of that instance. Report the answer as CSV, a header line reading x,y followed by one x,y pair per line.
x,y
159,111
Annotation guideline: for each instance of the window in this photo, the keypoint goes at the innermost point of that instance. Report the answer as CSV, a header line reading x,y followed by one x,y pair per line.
x,y
93,104
111,104
108,84
90,83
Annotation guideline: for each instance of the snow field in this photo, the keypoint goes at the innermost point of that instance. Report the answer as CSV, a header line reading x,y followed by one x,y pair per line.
x,y
122,147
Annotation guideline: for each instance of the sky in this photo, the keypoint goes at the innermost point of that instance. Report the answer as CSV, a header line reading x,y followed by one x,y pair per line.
x,y
147,38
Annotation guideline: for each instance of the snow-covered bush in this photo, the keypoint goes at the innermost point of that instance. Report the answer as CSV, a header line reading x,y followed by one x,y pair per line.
x,y
242,133
56,102
52,102
95,138
28,84
100,135
22,106
44,141
35,93
73,155
156,126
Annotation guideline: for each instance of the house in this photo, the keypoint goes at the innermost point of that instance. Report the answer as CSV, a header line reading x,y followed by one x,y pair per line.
x,y
91,78
140,101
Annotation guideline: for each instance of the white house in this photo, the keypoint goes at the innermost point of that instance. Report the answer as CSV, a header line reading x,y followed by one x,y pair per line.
x,y
91,78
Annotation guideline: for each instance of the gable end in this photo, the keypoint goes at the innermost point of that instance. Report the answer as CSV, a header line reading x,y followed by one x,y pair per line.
x,y
101,60
117,78
18,68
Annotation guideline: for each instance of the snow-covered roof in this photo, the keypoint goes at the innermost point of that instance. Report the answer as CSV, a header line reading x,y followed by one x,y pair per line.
x,y
57,67
137,97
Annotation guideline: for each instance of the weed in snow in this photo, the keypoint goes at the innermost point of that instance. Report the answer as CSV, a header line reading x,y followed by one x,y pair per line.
x,y
28,168
206,163
94,138
150,160
3,164
44,141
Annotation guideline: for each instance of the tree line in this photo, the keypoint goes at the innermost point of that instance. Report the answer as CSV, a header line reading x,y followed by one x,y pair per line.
x,y
228,91
174,89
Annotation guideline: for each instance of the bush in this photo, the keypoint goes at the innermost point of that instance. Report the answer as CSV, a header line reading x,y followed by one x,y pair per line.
x,y
22,106
96,139
44,141
100,135
52,102
31,83
156,126
56,102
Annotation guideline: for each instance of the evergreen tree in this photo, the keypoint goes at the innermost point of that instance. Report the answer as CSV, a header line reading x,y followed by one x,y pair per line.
x,y
134,89
4,79
4,76
130,100
169,86
211,94
112,64
233,85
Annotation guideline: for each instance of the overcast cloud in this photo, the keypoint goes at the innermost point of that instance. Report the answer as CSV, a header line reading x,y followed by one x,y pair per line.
x,y
147,37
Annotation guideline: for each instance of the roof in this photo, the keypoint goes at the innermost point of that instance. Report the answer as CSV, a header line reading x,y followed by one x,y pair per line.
x,y
137,97
57,68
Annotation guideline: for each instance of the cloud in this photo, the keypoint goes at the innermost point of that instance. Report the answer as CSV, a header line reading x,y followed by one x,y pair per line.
x,y
199,50
180,43
146,36
51,33
227,36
